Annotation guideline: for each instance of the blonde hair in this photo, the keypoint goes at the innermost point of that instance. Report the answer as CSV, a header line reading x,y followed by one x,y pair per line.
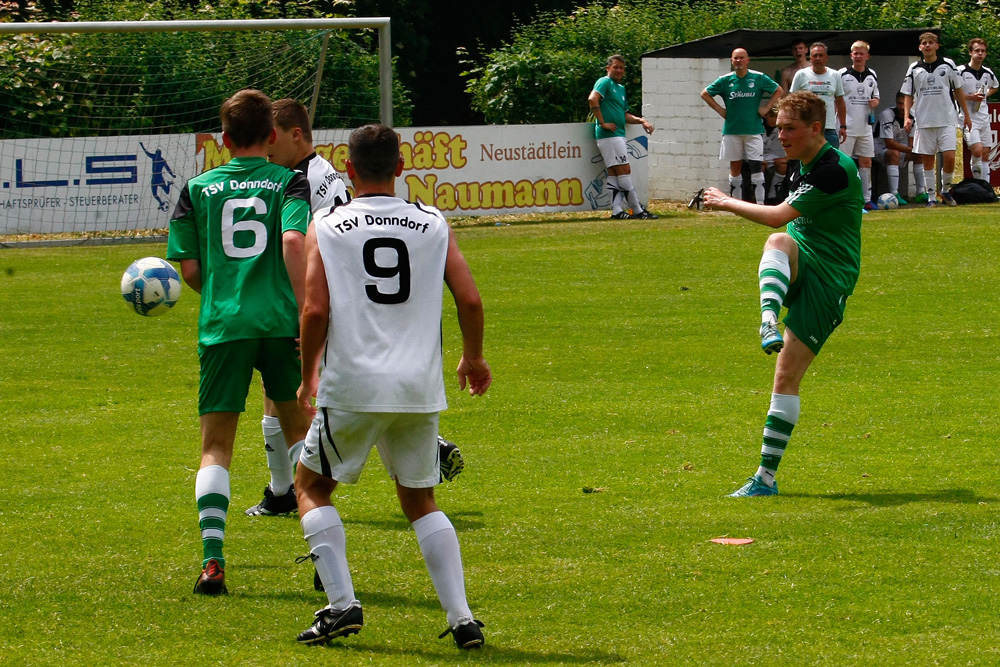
x,y
861,44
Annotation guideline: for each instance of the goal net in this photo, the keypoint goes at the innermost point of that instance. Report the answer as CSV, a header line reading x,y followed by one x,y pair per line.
x,y
104,122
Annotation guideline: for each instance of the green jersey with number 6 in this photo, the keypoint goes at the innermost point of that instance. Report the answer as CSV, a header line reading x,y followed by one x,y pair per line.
x,y
231,218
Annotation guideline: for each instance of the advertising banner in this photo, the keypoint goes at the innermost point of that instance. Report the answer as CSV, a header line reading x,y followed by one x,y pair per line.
x,y
123,183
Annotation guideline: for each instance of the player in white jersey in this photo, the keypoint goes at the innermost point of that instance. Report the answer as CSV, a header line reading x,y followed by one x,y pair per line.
x,y
774,156
825,83
861,96
978,83
894,149
293,148
373,315
928,88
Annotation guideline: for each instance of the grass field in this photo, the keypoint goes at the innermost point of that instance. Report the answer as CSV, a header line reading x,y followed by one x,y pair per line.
x,y
626,362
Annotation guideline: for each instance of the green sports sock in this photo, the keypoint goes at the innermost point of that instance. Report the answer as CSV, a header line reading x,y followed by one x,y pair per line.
x,y
781,419
212,494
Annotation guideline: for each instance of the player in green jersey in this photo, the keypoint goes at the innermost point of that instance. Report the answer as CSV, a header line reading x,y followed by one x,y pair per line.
x,y
747,96
238,232
811,268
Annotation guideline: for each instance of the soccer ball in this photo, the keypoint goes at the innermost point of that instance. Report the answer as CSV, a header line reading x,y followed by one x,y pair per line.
x,y
151,286
887,201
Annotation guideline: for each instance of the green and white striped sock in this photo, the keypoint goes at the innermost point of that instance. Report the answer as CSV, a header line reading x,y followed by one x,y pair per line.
x,y
781,419
775,274
211,489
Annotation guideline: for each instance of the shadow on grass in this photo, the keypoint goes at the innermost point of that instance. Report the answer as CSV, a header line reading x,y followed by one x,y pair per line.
x,y
491,653
370,600
460,520
896,498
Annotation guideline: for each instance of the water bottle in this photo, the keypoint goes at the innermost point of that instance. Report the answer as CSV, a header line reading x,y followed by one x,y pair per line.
x,y
871,116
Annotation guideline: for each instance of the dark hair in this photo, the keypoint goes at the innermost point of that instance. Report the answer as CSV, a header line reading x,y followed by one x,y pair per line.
x,y
931,36
804,106
796,41
290,114
246,118
374,152
977,40
615,57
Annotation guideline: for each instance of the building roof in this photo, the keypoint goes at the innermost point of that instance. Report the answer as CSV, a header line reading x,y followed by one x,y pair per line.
x,y
776,43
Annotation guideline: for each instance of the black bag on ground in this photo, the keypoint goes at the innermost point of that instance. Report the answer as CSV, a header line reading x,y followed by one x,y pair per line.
x,y
973,191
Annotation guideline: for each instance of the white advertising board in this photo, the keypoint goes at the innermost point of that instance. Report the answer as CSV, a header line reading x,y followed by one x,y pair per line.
x,y
121,183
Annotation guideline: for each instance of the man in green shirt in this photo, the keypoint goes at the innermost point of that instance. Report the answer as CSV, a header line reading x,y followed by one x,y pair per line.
x,y
811,268
748,95
610,108
238,232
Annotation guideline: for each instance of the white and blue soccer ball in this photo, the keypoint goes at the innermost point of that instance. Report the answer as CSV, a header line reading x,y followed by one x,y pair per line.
x,y
151,286
887,201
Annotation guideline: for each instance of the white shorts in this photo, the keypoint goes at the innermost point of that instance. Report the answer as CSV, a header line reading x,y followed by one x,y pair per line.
x,y
613,150
979,134
742,147
338,444
934,140
863,146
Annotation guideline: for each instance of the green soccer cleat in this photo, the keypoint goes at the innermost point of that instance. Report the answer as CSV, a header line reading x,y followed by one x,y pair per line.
x,y
754,488
921,198
900,200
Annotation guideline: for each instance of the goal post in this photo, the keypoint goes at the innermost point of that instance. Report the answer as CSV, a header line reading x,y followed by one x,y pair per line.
x,y
104,119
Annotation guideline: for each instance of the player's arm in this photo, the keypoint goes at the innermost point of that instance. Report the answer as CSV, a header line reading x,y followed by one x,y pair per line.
x,y
907,119
896,146
766,107
769,216
963,104
293,251
191,272
841,108
473,368
594,100
295,214
315,321
632,119
710,101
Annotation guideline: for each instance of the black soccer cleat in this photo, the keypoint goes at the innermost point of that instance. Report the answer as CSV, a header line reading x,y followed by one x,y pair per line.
x,y
332,623
273,505
624,215
466,635
212,580
452,462
646,215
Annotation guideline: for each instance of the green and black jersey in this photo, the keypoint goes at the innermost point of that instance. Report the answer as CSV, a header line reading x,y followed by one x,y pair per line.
x,y
827,194
231,218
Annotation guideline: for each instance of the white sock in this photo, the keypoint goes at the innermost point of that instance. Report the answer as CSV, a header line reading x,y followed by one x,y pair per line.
x,y
976,164
893,171
758,186
946,179
211,492
324,531
616,202
439,545
736,187
929,179
985,169
277,455
625,183
866,182
918,178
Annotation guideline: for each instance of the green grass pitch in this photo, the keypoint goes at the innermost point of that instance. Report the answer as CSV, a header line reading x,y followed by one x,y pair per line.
x,y
627,363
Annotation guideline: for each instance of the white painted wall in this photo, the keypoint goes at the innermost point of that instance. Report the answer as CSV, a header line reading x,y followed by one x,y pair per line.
x,y
684,149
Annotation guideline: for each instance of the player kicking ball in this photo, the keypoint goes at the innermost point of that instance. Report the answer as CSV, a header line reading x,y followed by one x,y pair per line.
x,y
811,268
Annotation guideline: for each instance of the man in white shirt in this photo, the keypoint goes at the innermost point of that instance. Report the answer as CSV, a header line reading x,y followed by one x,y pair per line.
x,y
827,85
862,98
928,87
978,83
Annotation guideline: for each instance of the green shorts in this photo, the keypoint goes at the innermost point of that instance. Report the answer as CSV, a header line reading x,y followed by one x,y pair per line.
x,y
227,368
814,308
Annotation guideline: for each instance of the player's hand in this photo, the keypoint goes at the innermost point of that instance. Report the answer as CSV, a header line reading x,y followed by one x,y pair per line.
x,y
610,127
714,197
305,394
908,124
646,125
842,133
476,374
968,122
